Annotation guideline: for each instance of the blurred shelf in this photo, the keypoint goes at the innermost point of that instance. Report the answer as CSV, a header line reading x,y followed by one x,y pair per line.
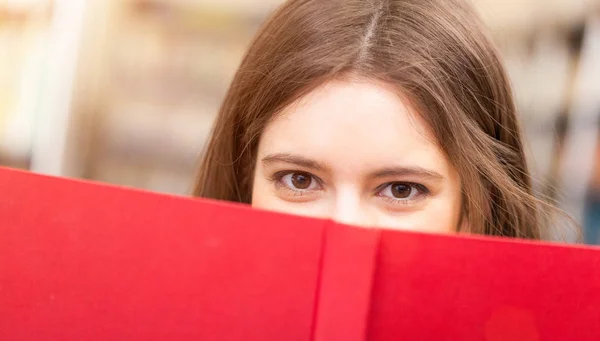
x,y
521,17
225,16
7,160
171,71
145,133
22,11
23,26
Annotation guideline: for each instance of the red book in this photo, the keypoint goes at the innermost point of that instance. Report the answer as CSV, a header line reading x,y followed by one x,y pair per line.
x,y
85,261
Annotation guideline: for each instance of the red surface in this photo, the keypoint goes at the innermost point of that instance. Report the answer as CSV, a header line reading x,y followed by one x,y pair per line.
x,y
346,280
82,261
88,262
450,288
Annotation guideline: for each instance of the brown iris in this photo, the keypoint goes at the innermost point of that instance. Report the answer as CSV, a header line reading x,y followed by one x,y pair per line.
x,y
401,190
301,180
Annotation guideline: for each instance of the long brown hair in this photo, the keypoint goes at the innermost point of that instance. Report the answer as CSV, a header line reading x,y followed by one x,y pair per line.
x,y
435,52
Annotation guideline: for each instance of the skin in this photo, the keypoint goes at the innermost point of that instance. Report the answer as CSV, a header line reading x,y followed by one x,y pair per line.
x,y
353,151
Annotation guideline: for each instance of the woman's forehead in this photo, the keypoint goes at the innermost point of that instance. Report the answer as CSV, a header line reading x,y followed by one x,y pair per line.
x,y
353,123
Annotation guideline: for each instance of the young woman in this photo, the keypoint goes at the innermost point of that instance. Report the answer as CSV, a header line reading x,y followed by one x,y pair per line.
x,y
384,113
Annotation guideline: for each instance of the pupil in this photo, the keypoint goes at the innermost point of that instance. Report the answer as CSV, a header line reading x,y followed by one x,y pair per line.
x,y
301,181
401,191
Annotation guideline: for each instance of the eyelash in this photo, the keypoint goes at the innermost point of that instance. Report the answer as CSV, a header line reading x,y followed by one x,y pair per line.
x,y
422,190
278,177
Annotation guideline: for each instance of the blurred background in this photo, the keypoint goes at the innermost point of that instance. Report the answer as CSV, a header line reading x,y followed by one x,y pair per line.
x,y
125,91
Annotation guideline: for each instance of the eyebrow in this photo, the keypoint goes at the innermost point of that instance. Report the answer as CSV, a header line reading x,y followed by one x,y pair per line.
x,y
293,159
408,171
400,171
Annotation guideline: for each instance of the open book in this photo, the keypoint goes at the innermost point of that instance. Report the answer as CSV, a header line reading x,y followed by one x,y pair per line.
x,y
85,261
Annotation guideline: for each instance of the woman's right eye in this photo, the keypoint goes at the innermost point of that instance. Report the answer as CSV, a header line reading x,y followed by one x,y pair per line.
x,y
300,181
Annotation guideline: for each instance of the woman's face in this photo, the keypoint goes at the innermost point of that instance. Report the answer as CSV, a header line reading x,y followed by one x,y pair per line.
x,y
355,152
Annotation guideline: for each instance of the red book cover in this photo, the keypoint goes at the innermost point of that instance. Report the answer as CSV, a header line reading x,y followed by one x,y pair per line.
x,y
86,261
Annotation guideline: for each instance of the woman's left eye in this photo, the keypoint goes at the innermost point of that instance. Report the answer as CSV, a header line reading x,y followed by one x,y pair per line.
x,y
402,191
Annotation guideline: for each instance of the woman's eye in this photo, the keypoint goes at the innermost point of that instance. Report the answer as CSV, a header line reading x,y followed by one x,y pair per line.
x,y
300,181
402,191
